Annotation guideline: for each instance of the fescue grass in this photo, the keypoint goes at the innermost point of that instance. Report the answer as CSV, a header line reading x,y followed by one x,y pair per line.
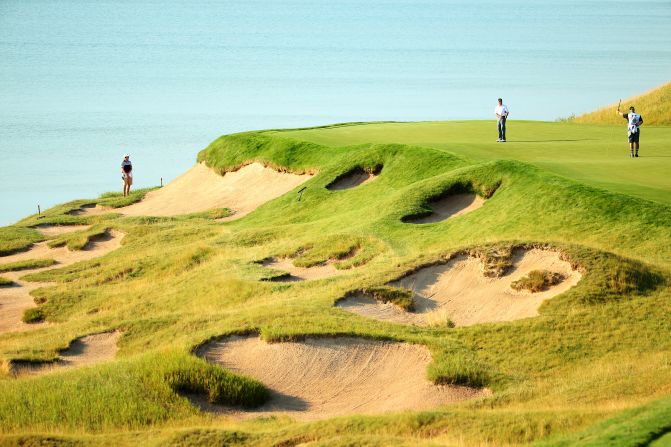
x,y
126,394
28,264
537,281
599,348
654,106
396,295
79,240
32,315
4,282
14,239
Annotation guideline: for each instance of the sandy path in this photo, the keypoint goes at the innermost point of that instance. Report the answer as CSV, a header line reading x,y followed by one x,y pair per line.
x,y
451,206
301,273
83,351
201,189
325,377
15,300
351,180
458,291
57,230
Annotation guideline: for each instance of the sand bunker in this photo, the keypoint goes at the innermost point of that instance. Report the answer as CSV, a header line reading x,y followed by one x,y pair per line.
x,y
15,300
458,292
91,210
325,377
83,351
57,230
300,273
451,206
201,189
351,180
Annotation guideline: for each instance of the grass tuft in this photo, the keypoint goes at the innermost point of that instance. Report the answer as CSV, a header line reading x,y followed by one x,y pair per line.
x,y
28,264
537,281
4,282
33,315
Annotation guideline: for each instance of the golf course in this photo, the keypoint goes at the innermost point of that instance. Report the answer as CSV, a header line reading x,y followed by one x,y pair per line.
x,y
368,283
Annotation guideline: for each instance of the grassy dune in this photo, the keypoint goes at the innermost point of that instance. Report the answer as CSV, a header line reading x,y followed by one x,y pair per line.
x,y
654,106
599,349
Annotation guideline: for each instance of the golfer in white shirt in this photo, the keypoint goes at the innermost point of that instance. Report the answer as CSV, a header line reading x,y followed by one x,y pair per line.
x,y
501,111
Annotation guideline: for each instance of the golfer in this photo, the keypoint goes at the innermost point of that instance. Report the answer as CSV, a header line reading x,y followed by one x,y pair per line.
x,y
126,174
633,129
501,112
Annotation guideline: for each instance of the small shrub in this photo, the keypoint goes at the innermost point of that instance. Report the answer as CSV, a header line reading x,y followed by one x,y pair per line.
x,y
33,315
537,281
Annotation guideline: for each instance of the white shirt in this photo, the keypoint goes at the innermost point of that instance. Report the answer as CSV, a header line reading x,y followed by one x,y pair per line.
x,y
501,110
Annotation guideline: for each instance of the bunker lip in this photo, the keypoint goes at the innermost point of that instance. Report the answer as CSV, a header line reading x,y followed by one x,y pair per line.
x,y
456,292
353,178
446,207
83,351
201,188
322,377
57,230
294,274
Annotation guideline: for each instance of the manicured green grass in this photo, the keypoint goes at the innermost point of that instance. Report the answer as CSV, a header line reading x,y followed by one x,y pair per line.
x,y
599,348
596,155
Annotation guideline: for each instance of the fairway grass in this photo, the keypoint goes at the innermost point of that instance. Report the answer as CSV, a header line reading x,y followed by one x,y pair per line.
x,y
596,354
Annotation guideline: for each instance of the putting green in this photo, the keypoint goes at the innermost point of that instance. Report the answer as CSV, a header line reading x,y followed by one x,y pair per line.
x,y
597,155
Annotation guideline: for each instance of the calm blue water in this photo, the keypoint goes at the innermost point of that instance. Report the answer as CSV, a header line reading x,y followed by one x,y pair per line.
x,y
82,82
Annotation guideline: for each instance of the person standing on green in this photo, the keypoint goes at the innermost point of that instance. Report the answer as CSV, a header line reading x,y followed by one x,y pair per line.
x,y
501,112
633,129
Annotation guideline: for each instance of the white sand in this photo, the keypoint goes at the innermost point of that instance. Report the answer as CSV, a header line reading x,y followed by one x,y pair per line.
x,y
459,292
325,377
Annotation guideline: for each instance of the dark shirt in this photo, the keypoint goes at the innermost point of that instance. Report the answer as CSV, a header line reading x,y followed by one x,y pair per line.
x,y
127,166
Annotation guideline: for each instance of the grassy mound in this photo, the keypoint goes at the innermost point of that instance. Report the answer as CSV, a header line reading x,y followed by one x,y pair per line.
x,y
654,106
598,348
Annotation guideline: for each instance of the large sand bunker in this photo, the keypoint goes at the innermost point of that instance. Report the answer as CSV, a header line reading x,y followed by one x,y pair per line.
x,y
83,351
324,377
15,300
352,179
458,292
447,207
300,273
201,189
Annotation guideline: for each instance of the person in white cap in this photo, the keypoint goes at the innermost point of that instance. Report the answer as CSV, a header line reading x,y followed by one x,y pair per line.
x,y
126,174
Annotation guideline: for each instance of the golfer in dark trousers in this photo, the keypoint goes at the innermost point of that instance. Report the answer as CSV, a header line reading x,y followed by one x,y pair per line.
x,y
501,112
633,129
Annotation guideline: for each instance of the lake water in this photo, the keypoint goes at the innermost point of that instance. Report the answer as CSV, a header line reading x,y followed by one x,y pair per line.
x,y
82,82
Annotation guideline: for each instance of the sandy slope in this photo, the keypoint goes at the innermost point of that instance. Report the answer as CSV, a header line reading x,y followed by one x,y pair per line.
x,y
458,291
201,189
451,206
87,350
15,300
324,377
